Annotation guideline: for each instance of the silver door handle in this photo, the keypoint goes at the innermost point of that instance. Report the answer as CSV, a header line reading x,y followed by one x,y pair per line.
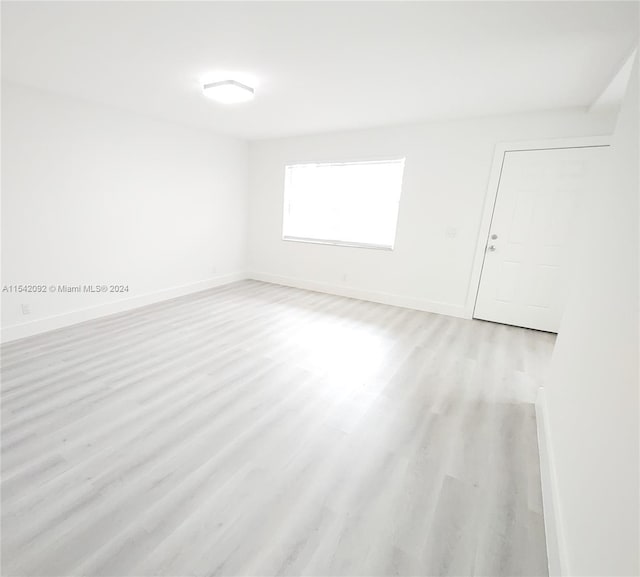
x,y
491,248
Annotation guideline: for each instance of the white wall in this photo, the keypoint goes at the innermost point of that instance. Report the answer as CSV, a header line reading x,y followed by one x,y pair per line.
x,y
592,392
95,195
445,182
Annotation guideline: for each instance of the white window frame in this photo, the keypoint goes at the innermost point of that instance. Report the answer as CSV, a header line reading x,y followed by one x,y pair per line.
x,y
335,242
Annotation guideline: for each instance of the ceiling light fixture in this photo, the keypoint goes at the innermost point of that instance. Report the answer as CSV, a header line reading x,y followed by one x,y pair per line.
x,y
228,91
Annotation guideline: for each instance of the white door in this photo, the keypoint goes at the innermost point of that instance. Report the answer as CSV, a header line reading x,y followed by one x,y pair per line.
x,y
528,252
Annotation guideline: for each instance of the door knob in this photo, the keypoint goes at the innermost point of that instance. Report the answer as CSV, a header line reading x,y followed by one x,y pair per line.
x,y
491,248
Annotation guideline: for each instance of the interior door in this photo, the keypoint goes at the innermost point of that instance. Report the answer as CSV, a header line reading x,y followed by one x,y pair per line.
x,y
528,252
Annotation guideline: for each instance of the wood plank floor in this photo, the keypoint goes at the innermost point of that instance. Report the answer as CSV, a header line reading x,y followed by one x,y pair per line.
x,y
255,429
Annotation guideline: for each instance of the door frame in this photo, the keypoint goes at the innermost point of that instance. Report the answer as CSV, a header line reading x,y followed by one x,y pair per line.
x,y
491,196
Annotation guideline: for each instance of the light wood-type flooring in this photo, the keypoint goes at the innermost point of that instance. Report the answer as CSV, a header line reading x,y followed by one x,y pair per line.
x,y
255,429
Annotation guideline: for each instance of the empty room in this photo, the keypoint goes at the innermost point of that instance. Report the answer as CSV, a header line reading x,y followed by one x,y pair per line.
x,y
320,288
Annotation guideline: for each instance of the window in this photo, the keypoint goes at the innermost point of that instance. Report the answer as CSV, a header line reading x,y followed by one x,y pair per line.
x,y
351,203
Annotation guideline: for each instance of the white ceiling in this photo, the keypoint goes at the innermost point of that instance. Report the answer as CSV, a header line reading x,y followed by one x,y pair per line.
x,y
321,66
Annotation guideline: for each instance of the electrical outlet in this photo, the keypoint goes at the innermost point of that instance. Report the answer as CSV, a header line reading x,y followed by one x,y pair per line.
x,y
344,277
451,232
26,310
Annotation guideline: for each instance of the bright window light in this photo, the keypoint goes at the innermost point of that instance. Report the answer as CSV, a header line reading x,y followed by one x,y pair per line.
x,y
351,203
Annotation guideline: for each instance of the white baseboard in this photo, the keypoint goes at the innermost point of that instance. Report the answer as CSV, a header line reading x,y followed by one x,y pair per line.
x,y
366,295
51,323
556,551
